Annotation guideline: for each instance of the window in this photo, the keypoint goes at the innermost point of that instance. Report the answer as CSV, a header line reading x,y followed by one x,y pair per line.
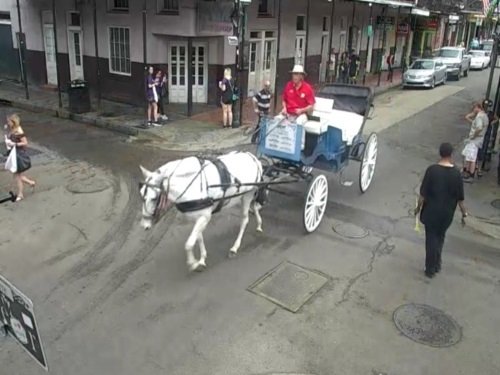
x,y
325,23
301,23
119,50
74,19
169,6
265,8
118,5
76,42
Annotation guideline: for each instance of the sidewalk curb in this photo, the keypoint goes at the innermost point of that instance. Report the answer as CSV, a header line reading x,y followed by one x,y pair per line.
x,y
109,125
65,114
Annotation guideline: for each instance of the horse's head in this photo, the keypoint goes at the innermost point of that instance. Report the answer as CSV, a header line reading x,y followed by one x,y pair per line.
x,y
154,197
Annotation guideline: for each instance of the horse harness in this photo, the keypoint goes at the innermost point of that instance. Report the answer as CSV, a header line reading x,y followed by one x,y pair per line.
x,y
225,182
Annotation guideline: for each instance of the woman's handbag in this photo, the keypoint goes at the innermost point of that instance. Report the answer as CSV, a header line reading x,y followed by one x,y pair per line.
x,y
11,163
23,161
235,97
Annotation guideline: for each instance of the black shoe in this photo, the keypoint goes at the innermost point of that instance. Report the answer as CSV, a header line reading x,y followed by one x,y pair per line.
x,y
430,275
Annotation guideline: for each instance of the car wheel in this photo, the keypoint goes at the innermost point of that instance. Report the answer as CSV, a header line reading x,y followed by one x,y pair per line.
x,y
459,75
445,78
433,83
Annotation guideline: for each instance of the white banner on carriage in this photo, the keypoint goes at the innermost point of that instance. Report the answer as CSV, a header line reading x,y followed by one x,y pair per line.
x,y
281,137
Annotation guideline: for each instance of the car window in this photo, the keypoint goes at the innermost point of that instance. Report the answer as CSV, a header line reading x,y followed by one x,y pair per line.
x,y
449,53
477,53
423,65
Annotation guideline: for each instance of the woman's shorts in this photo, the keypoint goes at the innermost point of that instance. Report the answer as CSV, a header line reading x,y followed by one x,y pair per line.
x,y
470,152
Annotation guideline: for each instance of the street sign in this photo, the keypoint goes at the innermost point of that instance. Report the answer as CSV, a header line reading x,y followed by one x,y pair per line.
x,y
18,318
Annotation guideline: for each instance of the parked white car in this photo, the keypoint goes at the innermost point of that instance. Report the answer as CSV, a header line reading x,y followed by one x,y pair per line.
x,y
479,60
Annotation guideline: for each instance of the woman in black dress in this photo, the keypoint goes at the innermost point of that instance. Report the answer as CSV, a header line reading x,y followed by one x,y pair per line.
x,y
227,99
16,137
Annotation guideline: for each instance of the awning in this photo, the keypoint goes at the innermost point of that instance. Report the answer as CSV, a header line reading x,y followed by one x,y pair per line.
x,y
394,3
420,12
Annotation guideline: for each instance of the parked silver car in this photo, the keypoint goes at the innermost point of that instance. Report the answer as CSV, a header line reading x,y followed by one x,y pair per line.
x,y
425,73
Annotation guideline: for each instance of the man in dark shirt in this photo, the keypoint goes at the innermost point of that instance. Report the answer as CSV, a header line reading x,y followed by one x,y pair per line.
x,y
441,190
262,105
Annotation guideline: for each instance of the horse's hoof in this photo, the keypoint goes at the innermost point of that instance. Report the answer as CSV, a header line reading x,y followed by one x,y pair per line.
x,y
232,254
192,267
260,230
200,267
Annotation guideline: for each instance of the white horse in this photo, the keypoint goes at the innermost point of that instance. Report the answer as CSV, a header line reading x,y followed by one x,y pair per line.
x,y
199,188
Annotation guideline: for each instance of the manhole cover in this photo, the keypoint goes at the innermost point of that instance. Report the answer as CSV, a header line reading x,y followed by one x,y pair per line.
x,y
496,203
350,230
427,325
87,186
289,285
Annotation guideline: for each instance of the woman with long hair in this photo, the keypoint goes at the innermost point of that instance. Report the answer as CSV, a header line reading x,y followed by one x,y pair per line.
x,y
152,98
161,90
227,99
17,138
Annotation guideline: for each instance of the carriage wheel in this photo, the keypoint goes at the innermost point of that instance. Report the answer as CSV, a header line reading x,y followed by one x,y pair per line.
x,y
367,168
315,205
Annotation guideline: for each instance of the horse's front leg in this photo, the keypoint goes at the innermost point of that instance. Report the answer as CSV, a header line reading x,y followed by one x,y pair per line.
x,y
199,227
246,200
203,252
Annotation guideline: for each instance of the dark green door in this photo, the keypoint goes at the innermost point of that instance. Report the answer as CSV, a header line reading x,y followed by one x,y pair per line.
x,y
9,59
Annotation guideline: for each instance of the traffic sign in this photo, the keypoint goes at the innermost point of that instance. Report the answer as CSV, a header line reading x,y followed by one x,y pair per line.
x,y
18,318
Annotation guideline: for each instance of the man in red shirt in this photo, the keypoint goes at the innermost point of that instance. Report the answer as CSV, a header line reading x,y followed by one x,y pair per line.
x,y
298,97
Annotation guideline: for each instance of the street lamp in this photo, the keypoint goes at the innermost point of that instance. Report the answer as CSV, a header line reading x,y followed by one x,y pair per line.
x,y
239,20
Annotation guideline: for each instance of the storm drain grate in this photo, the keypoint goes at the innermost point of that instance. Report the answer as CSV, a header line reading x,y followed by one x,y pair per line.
x,y
427,325
88,185
289,285
349,230
496,203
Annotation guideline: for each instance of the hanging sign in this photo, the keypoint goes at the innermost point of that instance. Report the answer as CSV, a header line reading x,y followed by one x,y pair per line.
x,y
18,319
403,29
214,17
370,31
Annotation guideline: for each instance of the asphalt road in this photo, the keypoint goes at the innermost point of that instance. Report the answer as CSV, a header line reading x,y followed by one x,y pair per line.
x,y
112,299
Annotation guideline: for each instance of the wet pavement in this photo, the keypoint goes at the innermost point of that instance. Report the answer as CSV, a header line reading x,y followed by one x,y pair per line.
x,y
112,299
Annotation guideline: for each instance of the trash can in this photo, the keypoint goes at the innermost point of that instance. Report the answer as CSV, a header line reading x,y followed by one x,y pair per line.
x,y
79,97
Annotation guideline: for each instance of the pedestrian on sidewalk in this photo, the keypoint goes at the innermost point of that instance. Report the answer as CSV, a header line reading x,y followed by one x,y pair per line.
x,y
261,105
479,123
227,98
485,152
344,68
353,68
16,139
441,191
332,66
152,98
390,66
161,89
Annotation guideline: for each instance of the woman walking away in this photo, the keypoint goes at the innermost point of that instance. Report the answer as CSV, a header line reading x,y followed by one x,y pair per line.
x,y
161,90
441,190
152,98
17,139
227,88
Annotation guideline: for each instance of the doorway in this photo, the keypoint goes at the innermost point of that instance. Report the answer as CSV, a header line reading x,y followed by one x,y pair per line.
x,y
261,60
178,72
50,53
75,46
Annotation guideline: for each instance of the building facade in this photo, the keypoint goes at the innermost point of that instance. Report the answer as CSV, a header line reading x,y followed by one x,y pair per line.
x,y
109,43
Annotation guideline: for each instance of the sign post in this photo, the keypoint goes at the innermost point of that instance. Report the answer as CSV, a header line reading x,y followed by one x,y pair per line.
x,y
17,318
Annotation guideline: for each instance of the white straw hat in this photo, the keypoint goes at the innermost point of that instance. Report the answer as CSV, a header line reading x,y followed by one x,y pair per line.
x,y
298,69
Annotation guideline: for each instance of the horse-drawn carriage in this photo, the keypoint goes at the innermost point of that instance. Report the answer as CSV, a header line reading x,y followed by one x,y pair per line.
x,y
199,186
326,141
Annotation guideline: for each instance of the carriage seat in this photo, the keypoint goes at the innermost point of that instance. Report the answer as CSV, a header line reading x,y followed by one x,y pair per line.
x,y
322,108
349,123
